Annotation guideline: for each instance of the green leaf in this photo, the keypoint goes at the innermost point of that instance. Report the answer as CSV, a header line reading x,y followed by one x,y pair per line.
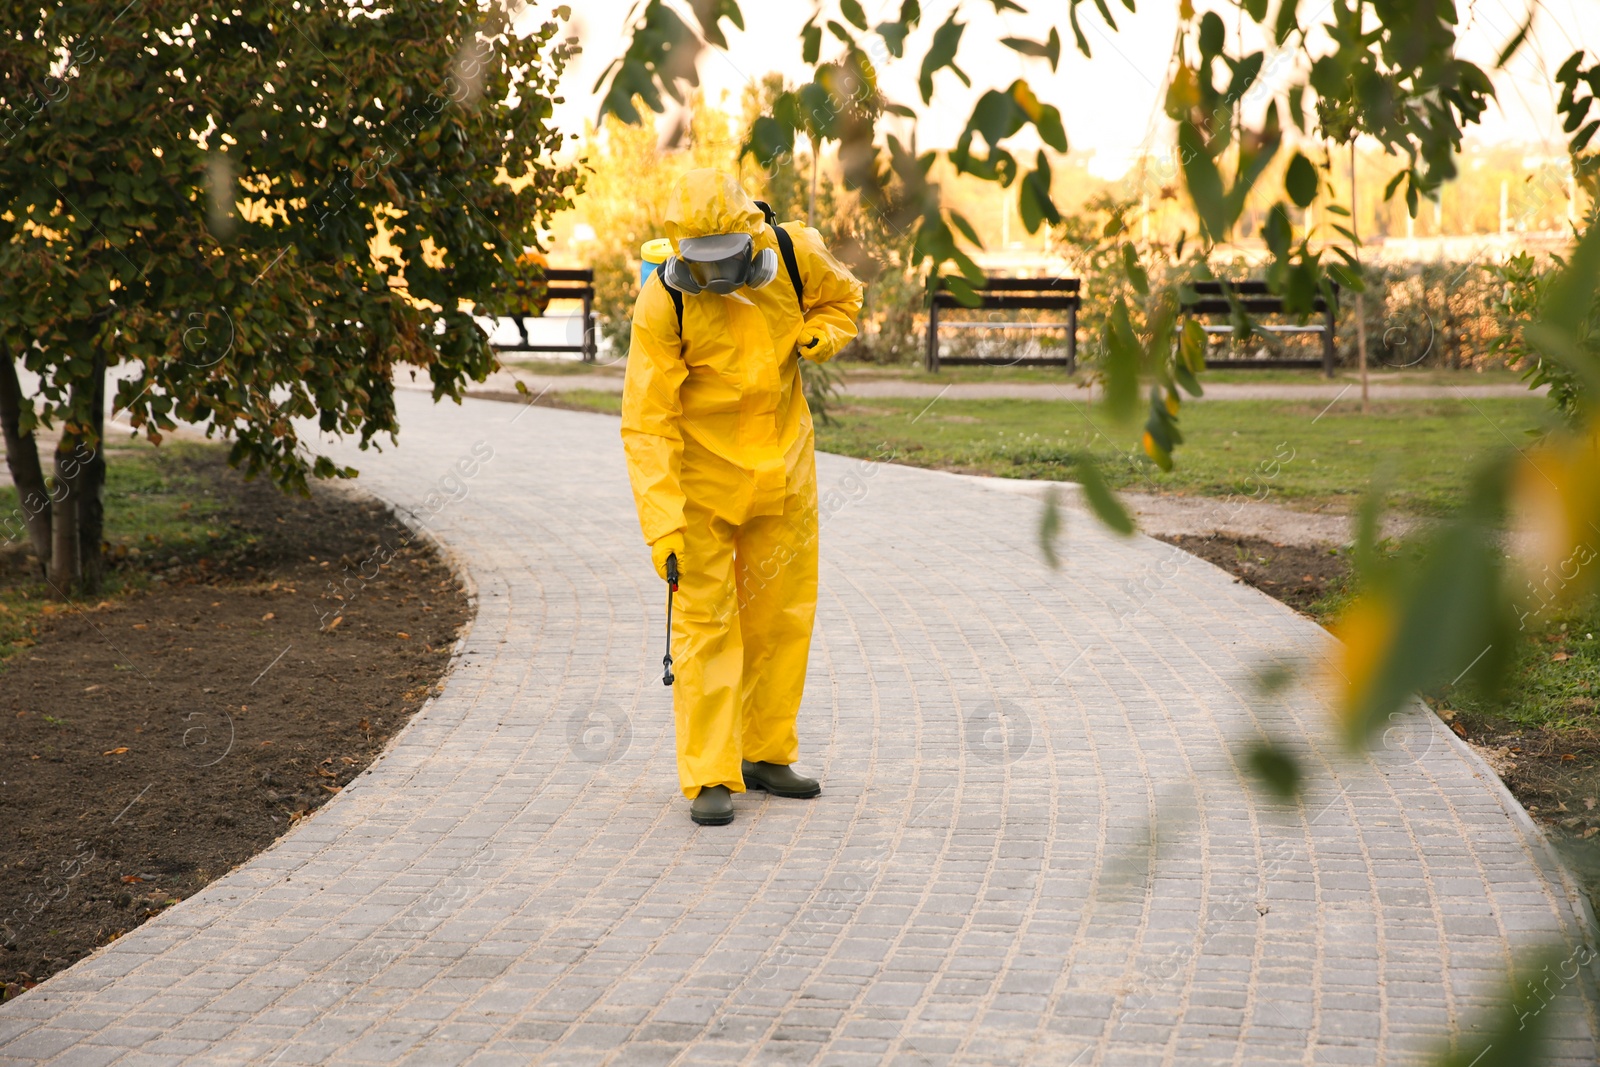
x,y
1033,199
961,289
1300,181
1245,72
1204,180
1256,9
1516,42
966,228
1278,232
769,140
1212,35
1137,277
1122,362
810,41
894,33
1275,768
1008,5
1101,500
1050,528
1515,1029
1077,30
1394,183
942,53
710,13
851,10
1286,22
1050,49
1570,297
1192,346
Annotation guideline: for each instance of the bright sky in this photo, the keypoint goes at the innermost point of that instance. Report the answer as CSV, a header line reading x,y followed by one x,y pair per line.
x,y
1110,103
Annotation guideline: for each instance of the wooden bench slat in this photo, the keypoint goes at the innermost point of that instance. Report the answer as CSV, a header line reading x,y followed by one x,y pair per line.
x,y
1013,301
1253,304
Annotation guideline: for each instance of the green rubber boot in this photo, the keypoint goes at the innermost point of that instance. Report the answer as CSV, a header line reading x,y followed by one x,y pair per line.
x,y
779,779
713,807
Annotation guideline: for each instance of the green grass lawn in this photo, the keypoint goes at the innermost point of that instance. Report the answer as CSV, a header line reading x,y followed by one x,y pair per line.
x,y
568,367
1555,678
1305,453
156,502
1379,375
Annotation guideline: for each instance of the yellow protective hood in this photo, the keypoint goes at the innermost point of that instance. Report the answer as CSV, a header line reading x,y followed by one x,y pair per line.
x,y
705,202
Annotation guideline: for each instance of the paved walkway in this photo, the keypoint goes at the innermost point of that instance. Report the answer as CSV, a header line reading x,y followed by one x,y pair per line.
x,y
1313,388
1036,844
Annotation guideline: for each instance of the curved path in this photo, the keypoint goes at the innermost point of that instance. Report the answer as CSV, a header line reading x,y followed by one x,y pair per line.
x,y
1037,844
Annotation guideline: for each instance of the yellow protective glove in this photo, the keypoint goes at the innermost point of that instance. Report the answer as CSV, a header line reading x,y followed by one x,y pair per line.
x,y
671,544
816,343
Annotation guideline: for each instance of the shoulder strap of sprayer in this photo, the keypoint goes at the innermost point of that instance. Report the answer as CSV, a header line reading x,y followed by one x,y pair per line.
x,y
677,300
786,250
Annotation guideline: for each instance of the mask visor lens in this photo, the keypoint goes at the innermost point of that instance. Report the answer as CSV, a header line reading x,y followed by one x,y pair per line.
x,y
720,263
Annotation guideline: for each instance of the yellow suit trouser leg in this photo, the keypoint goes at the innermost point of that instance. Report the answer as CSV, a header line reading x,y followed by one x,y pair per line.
x,y
707,656
776,569
741,635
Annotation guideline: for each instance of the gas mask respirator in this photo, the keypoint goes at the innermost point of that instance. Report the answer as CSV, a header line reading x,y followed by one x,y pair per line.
x,y
720,263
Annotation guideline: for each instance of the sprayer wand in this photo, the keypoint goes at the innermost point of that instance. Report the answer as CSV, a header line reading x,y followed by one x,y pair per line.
x,y
672,587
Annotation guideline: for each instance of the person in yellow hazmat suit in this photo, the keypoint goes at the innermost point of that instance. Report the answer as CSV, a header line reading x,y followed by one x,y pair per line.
x,y
719,444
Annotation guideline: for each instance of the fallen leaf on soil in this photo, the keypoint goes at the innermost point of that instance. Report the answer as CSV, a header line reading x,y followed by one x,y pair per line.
x,y
402,635
268,615
1590,802
1567,757
91,688
333,788
1590,832
1559,657
141,626
264,744
131,878
115,751
1461,730
334,625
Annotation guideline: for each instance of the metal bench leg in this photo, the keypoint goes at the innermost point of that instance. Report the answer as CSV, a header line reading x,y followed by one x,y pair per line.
x,y
1327,345
1072,340
590,349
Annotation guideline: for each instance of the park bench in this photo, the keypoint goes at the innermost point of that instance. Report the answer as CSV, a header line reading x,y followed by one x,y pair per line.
x,y
1010,294
1209,300
578,285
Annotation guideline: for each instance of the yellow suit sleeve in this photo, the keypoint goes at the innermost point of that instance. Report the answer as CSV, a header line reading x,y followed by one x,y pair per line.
x,y
831,292
651,410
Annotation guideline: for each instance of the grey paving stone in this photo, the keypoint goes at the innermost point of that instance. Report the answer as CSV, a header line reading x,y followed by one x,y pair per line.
x,y
1034,845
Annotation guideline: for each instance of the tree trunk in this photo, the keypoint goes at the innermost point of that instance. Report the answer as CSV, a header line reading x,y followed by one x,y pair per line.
x,y
64,567
91,504
22,457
